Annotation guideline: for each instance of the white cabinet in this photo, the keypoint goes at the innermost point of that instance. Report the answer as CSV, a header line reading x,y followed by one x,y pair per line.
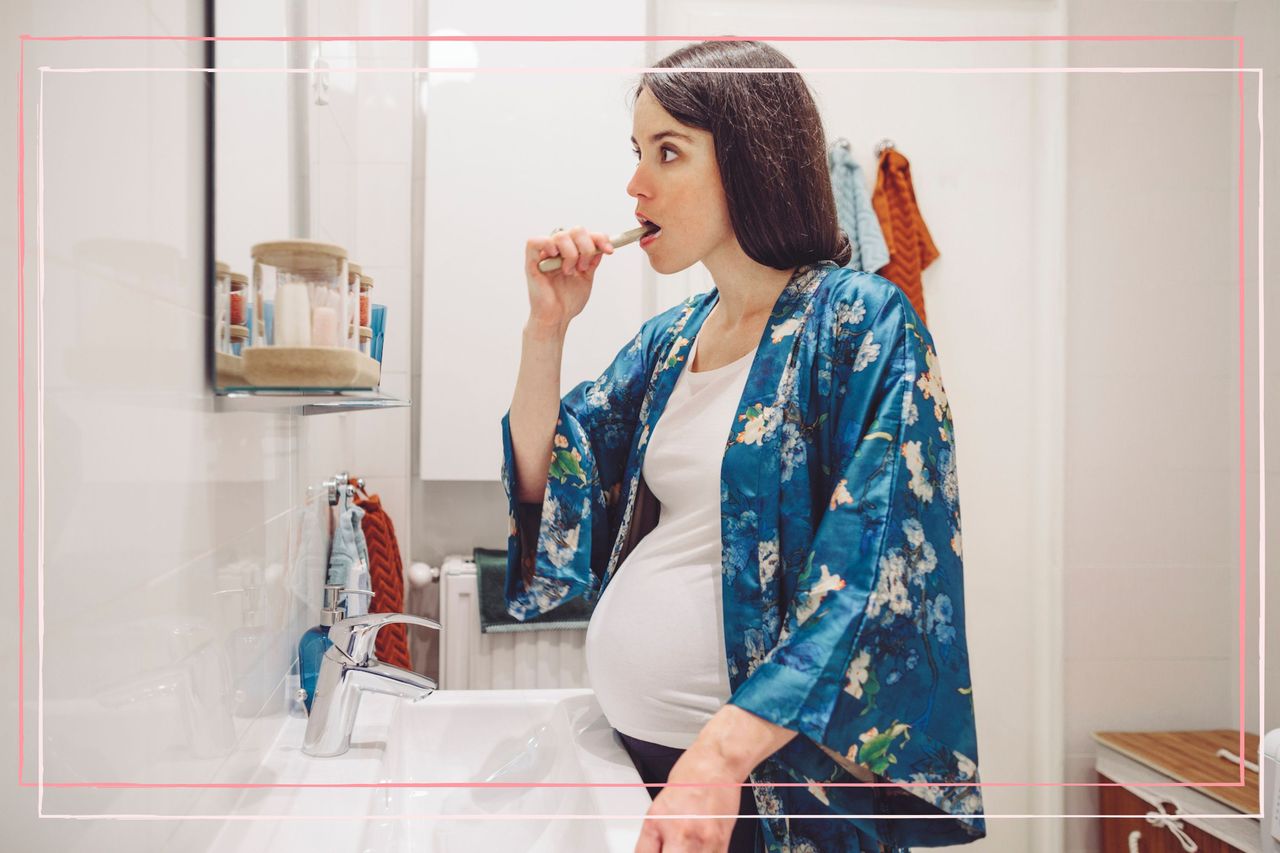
x,y
512,154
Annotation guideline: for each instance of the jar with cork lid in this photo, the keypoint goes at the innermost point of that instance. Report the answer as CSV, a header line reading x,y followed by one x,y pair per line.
x,y
353,306
366,296
238,308
300,310
221,307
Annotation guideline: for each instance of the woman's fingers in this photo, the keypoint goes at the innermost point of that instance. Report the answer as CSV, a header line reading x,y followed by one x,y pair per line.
x,y
567,250
575,249
580,250
585,245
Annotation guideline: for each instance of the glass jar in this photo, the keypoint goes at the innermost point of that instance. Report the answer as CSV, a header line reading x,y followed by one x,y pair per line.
x,y
298,296
378,325
221,307
366,286
239,334
238,305
366,339
353,306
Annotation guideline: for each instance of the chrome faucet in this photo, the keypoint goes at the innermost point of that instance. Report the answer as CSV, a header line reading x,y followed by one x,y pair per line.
x,y
348,669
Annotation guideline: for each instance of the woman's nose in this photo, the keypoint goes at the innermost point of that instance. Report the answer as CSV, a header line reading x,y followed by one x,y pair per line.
x,y
637,185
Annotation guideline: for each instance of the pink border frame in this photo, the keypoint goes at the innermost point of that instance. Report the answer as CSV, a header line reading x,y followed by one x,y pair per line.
x,y
23,39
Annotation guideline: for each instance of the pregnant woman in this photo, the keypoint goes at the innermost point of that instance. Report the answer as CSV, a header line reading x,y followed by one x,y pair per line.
x,y
759,492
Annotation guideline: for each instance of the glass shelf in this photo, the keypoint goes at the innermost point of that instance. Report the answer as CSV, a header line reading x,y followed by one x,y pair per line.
x,y
303,401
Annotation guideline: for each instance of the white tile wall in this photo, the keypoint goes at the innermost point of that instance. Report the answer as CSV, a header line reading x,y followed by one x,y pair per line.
x,y
184,546
1152,500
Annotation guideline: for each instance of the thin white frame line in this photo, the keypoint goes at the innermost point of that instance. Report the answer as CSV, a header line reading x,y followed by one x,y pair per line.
x,y
40,480
1262,466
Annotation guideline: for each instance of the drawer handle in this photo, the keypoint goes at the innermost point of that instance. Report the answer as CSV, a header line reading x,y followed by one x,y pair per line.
x,y
1162,818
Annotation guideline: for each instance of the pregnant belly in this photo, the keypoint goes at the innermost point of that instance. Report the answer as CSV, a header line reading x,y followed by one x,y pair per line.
x,y
655,650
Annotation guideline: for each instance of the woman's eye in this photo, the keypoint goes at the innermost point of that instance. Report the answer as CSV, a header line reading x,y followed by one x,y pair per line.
x,y
664,149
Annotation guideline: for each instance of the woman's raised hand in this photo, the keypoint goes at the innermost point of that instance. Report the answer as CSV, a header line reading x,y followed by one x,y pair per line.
x,y
558,296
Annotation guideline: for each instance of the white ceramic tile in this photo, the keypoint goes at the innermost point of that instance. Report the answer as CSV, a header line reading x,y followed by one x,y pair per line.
x,y
1146,694
99,187
333,18
1080,834
382,443
384,115
1123,516
1171,611
1108,424
145,697
398,384
253,157
105,333
324,449
1127,328
329,142
382,205
388,18
333,213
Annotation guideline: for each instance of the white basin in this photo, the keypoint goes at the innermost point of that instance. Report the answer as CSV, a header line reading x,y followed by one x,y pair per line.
x,y
539,750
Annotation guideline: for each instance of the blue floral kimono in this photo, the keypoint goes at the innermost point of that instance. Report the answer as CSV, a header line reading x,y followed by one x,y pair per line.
x,y
842,565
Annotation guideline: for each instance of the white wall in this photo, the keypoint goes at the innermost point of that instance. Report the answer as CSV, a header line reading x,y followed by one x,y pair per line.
x,y
512,155
158,509
1152,552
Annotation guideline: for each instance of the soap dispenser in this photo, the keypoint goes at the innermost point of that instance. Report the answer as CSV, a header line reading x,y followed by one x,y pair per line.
x,y
315,642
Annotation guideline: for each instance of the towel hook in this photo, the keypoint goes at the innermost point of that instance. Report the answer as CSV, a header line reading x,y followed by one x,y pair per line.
x,y
341,486
358,484
843,143
883,145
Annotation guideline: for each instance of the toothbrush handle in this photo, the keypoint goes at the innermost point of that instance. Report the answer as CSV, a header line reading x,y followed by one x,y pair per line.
x,y
626,237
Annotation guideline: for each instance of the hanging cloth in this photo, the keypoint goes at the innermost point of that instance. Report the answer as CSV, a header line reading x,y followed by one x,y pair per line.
x,y
911,248
386,571
348,544
853,208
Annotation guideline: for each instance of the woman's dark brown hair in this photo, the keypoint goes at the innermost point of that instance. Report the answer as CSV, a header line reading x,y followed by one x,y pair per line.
x,y
770,147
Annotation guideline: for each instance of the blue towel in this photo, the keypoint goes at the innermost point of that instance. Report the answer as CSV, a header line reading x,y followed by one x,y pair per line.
x,y
349,552
857,216
491,580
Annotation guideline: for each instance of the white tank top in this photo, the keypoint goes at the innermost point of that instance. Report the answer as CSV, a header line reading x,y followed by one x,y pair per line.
x,y
655,644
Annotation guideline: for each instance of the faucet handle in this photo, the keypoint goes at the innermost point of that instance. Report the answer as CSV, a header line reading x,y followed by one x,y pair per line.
x,y
355,636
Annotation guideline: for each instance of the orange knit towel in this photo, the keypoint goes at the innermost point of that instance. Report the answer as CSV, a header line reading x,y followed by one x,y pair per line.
x,y
386,573
911,248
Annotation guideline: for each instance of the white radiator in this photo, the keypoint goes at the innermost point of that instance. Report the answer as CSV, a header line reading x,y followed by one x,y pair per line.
x,y
518,659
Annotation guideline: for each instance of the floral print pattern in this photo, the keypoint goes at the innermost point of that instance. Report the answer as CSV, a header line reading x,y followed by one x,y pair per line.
x,y
841,564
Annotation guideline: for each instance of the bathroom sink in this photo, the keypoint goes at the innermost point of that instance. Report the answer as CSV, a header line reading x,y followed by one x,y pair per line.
x,y
532,749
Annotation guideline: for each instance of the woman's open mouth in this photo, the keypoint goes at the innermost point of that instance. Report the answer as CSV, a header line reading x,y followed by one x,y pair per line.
x,y
654,232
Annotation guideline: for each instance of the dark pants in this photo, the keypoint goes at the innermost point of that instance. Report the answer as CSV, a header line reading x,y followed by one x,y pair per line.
x,y
654,761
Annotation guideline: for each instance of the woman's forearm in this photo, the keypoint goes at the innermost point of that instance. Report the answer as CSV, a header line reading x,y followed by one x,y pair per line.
x,y
736,740
534,407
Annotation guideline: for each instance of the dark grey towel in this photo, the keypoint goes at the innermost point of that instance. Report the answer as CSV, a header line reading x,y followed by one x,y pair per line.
x,y
491,579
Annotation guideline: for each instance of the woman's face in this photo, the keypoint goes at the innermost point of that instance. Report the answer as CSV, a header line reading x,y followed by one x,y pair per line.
x,y
677,186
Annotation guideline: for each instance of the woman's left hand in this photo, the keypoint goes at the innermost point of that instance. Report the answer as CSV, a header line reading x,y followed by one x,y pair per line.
x,y
693,835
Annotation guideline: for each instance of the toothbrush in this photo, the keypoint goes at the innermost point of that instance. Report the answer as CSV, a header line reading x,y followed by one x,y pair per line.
x,y
549,264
